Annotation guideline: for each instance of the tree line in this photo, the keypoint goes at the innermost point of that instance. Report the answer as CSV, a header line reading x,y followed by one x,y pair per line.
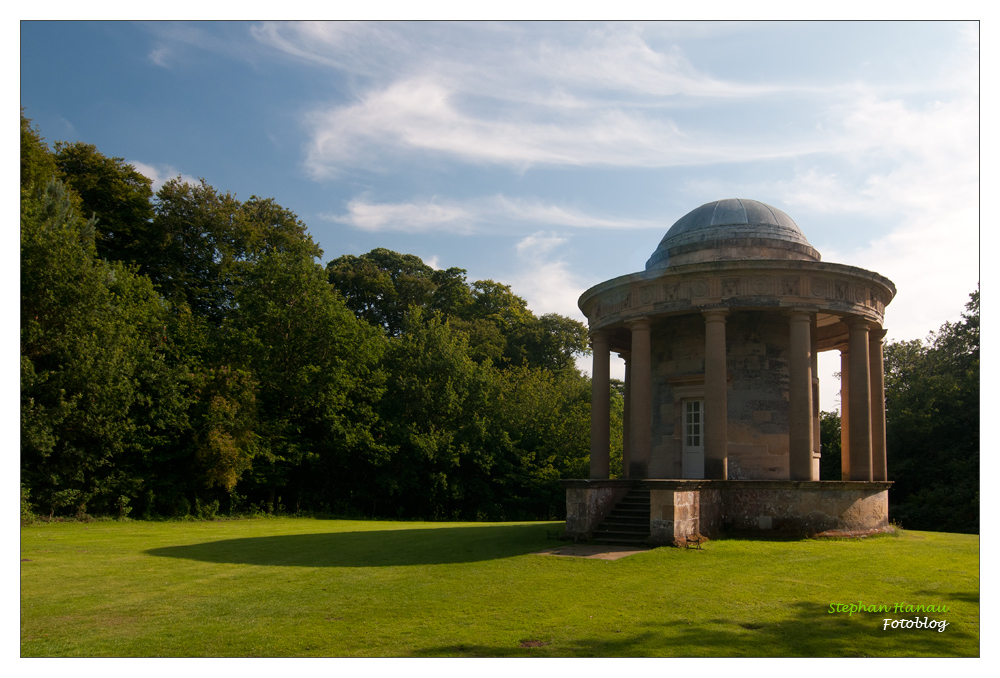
x,y
184,352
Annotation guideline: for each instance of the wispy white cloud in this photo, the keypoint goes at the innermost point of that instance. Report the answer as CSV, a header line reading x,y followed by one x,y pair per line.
x,y
472,216
547,282
159,56
509,95
539,244
617,57
161,173
411,217
426,116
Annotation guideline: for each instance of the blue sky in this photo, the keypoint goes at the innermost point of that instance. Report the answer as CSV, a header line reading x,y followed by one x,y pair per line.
x,y
551,156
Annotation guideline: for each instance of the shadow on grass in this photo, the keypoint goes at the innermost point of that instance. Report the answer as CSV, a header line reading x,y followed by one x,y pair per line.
x,y
808,632
944,597
376,548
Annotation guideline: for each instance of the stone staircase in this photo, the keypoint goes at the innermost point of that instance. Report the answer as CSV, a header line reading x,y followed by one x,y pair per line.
x,y
628,522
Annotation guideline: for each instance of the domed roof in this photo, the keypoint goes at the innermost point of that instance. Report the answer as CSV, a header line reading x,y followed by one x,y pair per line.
x,y
735,228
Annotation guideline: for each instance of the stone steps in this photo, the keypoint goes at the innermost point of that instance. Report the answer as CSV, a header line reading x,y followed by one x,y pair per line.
x,y
628,522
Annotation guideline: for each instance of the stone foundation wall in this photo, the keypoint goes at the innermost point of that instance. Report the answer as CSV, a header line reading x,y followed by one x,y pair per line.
x,y
686,508
588,502
806,508
673,515
710,510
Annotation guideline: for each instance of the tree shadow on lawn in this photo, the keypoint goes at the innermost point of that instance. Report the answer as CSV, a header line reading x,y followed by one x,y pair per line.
x,y
376,548
808,632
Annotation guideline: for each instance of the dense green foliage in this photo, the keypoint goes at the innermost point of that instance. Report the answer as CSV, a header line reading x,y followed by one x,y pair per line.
x,y
829,440
932,426
183,352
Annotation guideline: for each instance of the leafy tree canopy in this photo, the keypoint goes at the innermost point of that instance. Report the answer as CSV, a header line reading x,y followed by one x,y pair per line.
x,y
932,426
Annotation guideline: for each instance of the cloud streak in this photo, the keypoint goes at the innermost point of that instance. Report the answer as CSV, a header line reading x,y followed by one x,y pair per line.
x,y
472,216
424,116
160,174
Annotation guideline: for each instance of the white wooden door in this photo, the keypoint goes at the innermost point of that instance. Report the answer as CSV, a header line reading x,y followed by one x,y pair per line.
x,y
693,460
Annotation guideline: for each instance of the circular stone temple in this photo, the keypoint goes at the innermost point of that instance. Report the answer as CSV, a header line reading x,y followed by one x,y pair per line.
x,y
720,335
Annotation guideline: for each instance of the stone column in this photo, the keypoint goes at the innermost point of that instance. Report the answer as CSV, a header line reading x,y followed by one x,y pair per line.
x,y
880,470
600,407
626,415
641,396
860,401
800,387
814,349
845,415
716,403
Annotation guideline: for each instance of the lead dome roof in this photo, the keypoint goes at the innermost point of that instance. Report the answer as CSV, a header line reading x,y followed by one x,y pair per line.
x,y
732,229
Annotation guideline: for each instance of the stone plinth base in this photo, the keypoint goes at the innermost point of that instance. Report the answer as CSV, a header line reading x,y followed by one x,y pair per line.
x,y
688,508
588,502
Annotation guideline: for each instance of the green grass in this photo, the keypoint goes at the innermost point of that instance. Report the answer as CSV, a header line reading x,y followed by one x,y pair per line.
x,y
305,587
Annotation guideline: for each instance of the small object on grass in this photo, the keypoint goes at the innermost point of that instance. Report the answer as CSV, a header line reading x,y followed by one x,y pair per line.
x,y
532,643
695,540
552,534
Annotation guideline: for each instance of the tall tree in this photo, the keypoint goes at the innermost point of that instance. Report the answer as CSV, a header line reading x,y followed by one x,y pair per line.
x,y
315,363
88,331
114,193
382,285
932,426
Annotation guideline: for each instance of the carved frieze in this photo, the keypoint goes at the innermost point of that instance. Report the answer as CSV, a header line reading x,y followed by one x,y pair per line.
x,y
840,291
647,294
614,302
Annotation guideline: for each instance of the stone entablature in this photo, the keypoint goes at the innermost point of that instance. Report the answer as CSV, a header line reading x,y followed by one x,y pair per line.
x,y
835,289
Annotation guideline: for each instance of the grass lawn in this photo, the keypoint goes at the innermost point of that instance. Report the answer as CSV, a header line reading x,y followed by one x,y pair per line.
x,y
306,587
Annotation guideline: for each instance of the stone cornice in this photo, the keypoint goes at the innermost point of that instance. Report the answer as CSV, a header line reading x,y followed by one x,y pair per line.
x,y
755,284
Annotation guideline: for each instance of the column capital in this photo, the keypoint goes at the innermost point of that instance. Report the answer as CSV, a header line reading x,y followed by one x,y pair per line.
x,y
599,337
642,322
715,314
625,355
857,322
876,333
801,313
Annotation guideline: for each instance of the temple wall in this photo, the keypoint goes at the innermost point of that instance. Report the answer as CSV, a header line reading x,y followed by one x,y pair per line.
x,y
677,349
757,363
757,358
